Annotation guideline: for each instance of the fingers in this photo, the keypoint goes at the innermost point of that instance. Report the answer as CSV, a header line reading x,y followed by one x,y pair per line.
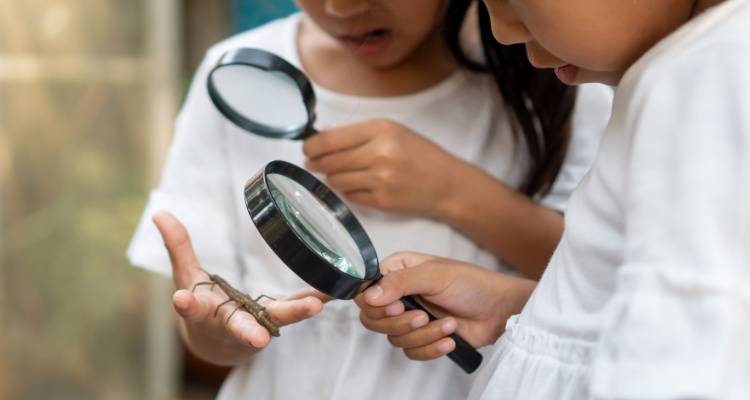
x,y
200,310
243,327
285,312
431,351
351,159
398,325
309,292
206,311
191,308
425,335
363,197
334,140
423,279
185,266
350,181
373,312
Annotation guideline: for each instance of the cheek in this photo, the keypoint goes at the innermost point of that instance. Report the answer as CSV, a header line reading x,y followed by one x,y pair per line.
x,y
588,48
417,18
310,6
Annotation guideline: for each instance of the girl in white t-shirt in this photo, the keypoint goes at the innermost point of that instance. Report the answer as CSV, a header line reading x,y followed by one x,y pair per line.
x,y
648,294
387,63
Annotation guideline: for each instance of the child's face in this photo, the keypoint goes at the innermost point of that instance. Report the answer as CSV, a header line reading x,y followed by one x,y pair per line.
x,y
380,33
586,40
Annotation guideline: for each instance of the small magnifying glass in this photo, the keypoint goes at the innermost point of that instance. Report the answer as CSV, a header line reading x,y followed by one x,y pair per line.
x,y
318,237
263,94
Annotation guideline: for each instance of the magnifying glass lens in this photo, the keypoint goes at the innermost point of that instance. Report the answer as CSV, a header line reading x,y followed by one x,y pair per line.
x,y
269,98
316,224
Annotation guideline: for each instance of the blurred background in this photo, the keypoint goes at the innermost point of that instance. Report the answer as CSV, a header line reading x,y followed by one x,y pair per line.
x,y
88,93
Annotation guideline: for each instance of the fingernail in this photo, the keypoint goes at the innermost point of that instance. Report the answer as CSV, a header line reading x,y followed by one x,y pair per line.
x,y
419,321
449,326
446,346
373,293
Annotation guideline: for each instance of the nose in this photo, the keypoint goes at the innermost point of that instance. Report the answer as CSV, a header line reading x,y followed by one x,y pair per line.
x,y
346,8
507,27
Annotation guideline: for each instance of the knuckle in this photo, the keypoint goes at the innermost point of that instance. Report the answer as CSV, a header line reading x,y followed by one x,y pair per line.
x,y
382,125
383,155
384,175
396,341
365,320
414,354
307,148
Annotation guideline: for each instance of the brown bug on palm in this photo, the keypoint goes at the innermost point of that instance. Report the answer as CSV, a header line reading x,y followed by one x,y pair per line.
x,y
243,301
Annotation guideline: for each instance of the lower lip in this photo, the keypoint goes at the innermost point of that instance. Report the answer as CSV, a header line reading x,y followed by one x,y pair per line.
x,y
368,47
567,74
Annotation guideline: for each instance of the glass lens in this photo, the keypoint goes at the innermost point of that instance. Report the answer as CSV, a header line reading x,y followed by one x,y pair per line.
x,y
317,225
269,98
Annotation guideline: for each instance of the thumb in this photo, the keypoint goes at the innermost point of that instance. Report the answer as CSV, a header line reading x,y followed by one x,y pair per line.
x,y
185,266
424,279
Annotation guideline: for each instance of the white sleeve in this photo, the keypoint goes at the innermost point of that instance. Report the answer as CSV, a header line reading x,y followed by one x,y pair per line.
x,y
590,115
678,325
196,187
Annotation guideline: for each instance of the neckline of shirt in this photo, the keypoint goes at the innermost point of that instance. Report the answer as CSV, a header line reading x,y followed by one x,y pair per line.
x,y
389,104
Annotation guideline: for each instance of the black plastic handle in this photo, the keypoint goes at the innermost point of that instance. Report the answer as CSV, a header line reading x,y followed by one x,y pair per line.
x,y
466,356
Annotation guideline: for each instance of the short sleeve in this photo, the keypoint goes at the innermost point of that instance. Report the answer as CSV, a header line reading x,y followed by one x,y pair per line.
x,y
678,325
195,186
590,115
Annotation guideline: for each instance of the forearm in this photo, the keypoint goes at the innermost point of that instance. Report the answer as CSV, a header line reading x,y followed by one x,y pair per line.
x,y
222,351
507,223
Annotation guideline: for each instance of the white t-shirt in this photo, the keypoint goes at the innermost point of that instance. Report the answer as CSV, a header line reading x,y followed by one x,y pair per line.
x,y
332,356
648,294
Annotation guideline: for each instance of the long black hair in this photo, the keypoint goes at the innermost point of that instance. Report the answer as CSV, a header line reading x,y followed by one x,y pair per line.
x,y
541,104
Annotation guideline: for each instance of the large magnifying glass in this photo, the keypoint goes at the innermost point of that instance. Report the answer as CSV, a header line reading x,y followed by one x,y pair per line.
x,y
263,94
318,237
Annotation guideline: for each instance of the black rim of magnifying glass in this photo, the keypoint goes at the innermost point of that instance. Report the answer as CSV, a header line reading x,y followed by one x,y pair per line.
x,y
292,249
265,61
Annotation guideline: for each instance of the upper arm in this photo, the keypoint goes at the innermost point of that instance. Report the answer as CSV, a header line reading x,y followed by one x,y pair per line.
x,y
678,324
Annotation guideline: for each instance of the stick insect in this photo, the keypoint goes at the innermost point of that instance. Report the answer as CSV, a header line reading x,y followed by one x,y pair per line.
x,y
243,301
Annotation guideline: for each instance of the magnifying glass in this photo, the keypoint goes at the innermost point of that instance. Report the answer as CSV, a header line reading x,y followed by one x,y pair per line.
x,y
263,94
318,237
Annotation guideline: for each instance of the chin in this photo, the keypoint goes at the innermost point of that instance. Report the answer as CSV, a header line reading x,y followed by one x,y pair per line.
x,y
380,62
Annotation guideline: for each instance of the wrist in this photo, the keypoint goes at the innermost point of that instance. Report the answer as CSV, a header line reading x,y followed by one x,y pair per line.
x,y
516,294
467,188
458,183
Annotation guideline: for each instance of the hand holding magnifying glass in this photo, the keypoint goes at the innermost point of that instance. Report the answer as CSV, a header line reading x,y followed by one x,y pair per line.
x,y
478,302
367,163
